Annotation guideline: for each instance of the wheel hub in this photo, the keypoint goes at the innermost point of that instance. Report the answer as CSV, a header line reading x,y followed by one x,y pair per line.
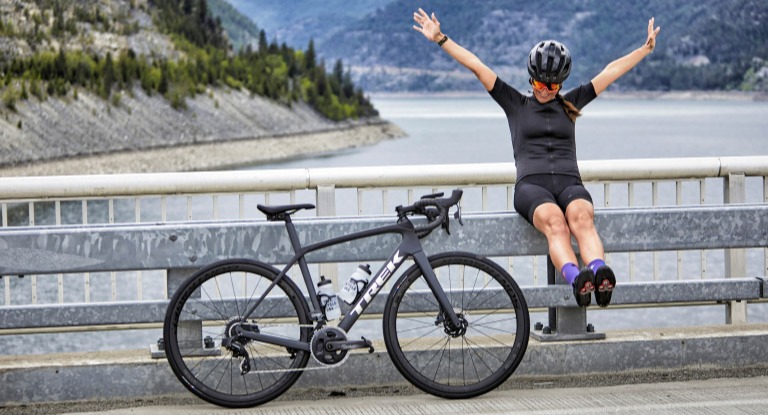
x,y
235,326
449,328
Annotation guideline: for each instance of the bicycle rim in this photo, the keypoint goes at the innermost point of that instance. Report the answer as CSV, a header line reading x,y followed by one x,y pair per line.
x,y
465,364
201,316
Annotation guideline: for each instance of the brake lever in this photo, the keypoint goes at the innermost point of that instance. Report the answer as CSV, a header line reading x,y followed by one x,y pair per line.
x,y
457,214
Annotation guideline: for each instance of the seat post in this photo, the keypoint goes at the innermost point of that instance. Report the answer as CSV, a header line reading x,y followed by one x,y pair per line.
x,y
292,234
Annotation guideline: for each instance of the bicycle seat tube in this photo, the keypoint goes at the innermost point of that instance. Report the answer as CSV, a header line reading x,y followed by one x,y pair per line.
x,y
297,249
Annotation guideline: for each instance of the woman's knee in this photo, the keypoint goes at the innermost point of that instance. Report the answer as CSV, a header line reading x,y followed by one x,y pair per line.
x,y
581,218
551,221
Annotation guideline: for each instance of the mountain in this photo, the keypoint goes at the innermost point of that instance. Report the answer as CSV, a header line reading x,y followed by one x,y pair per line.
x,y
295,22
703,45
242,30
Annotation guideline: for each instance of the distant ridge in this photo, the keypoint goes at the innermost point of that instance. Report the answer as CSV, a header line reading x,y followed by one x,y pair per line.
x,y
704,44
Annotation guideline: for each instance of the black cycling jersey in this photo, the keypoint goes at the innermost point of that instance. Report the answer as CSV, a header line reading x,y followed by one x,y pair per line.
x,y
543,137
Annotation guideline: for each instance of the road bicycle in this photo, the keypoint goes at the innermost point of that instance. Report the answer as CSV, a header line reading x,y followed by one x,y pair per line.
x,y
239,332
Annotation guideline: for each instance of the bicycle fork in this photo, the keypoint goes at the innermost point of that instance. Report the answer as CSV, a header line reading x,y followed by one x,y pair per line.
x,y
456,325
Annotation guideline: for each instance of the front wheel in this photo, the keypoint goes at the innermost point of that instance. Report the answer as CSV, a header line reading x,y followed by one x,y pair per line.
x,y
202,336
465,361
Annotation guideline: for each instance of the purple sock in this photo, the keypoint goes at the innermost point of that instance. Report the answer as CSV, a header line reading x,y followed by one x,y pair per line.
x,y
570,272
594,265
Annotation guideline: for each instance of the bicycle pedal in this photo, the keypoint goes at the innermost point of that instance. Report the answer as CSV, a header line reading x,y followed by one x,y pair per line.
x,y
369,344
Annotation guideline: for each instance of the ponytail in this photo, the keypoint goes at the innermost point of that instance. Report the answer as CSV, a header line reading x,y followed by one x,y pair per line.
x,y
570,110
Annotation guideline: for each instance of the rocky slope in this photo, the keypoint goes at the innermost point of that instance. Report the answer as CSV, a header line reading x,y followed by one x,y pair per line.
x,y
88,125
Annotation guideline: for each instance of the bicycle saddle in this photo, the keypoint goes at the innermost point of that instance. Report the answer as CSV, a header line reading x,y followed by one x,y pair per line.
x,y
275,211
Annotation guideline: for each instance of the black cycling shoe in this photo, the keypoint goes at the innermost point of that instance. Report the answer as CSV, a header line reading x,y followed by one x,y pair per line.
x,y
583,286
604,283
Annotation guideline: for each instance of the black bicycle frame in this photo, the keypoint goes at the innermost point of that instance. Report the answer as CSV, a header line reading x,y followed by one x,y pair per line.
x,y
409,247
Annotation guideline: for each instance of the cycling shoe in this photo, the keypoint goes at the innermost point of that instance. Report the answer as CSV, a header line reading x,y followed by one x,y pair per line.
x,y
604,283
583,286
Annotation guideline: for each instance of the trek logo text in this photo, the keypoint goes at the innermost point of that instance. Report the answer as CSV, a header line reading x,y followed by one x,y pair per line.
x,y
379,282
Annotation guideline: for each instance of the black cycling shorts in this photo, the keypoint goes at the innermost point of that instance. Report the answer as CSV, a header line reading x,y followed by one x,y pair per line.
x,y
536,189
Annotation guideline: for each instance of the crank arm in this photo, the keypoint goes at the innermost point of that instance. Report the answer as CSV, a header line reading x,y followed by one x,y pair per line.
x,y
333,346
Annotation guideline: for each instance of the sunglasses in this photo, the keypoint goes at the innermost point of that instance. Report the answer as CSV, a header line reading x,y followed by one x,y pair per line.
x,y
541,85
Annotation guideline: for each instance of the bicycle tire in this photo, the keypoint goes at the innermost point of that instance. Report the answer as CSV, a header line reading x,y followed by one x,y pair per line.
x,y
206,304
449,365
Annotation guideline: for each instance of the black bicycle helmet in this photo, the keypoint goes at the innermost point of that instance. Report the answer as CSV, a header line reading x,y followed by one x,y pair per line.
x,y
549,62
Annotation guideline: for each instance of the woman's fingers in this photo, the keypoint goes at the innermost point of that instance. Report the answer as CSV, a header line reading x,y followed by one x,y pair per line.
x,y
426,23
651,31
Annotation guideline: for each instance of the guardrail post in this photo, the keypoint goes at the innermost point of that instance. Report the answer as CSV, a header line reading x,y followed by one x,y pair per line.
x,y
192,330
326,206
735,259
565,323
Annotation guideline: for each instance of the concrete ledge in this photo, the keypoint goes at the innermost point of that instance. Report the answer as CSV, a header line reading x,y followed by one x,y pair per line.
x,y
37,379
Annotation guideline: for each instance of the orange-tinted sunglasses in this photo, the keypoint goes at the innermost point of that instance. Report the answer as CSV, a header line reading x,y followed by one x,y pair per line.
x,y
541,85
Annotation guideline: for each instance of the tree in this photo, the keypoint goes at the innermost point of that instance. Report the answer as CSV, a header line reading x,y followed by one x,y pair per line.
x,y
262,42
107,76
202,10
310,57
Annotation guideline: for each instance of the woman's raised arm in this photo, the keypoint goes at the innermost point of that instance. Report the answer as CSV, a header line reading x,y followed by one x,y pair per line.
x,y
430,28
620,66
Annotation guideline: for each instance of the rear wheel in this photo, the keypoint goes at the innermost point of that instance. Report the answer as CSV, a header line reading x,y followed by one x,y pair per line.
x,y
464,361
205,351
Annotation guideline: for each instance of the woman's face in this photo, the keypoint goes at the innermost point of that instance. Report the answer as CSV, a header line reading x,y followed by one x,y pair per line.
x,y
543,93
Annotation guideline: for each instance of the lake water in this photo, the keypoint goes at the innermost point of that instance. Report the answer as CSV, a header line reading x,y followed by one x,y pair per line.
x,y
474,130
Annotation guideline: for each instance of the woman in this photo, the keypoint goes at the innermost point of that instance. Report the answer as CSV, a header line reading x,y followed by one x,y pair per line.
x,y
549,193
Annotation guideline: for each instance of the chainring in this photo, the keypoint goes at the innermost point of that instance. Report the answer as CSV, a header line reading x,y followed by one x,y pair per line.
x,y
320,342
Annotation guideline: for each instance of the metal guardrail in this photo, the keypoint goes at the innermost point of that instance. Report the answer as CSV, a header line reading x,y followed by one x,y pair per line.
x,y
324,187
103,186
180,247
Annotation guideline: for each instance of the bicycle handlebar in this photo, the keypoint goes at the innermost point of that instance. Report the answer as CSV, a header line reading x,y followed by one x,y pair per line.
x,y
435,208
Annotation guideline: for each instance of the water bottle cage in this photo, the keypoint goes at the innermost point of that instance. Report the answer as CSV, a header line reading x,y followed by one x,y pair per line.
x,y
323,299
360,290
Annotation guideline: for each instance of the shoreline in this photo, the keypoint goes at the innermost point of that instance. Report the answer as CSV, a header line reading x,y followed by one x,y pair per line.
x,y
612,95
213,156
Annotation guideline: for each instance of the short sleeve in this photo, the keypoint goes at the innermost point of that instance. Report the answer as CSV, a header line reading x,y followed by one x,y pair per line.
x,y
507,97
582,95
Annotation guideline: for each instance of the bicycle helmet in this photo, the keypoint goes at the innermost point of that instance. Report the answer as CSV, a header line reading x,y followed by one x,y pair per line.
x,y
549,62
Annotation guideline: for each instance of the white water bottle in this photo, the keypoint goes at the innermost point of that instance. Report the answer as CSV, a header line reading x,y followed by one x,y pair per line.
x,y
355,284
328,299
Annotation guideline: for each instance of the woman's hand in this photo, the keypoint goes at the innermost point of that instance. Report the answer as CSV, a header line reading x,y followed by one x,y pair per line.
x,y
429,27
651,41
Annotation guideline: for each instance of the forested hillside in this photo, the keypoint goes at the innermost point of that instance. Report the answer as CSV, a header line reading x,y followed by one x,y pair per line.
x,y
50,49
703,45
